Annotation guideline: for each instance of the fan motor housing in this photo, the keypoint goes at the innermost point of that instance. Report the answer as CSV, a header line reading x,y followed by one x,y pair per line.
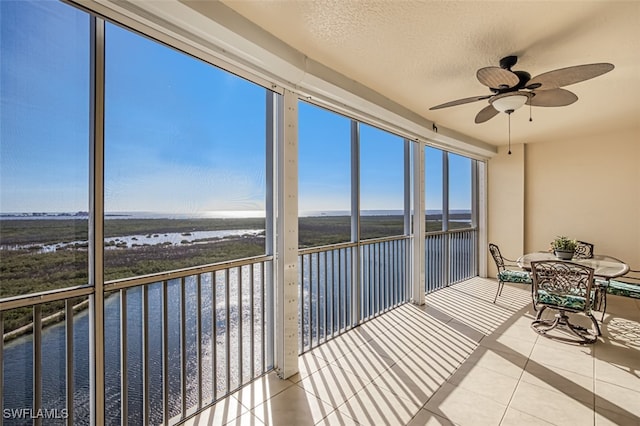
x,y
523,76
508,61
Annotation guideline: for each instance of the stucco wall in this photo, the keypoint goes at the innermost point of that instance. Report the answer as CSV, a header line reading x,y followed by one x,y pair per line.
x,y
588,189
505,193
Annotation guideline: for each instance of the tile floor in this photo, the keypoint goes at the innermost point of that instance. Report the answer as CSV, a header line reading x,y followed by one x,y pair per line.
x,y
461,360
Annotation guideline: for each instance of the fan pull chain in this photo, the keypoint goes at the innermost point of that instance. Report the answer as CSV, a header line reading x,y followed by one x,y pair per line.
x,y
530,119
509,114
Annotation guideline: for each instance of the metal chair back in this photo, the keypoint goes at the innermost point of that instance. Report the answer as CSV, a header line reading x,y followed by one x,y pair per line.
x,y
497,256
566,288
559,279
583,250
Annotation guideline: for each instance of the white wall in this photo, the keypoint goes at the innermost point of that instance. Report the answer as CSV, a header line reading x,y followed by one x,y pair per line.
x,y
588,189
506,201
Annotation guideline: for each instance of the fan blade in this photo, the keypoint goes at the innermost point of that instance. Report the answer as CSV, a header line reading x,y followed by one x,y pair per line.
x,y
486,114
497,78
552,98
460,102
571,75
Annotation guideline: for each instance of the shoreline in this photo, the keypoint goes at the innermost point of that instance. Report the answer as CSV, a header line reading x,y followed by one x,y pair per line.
x,y
46,321
28,269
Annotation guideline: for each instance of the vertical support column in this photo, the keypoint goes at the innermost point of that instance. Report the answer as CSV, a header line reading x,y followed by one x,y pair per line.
x,y
356,296
474,214
274,110
407,265
96,223
474,193
446,266
480,192
419,226
287,241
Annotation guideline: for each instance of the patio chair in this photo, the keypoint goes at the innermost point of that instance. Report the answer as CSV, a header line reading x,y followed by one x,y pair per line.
x,y
508,271
627,285
566,288
583,250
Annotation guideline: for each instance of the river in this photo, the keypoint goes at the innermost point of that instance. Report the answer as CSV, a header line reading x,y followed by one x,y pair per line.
x,y
18,355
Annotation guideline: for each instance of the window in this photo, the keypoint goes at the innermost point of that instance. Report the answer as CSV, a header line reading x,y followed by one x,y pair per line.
x,y
185,160
381,183
433,188
44,149
324,176
459,191
44,186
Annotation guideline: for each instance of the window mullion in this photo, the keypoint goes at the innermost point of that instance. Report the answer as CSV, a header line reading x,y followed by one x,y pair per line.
x,y
96,220
419,225
355,222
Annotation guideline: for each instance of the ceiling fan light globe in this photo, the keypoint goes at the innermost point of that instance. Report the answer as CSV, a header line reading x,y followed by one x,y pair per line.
x,y
509,102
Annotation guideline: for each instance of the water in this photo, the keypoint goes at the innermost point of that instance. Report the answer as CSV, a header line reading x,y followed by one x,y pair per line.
x,y
18,353
212,214
18,363
136,240
17,385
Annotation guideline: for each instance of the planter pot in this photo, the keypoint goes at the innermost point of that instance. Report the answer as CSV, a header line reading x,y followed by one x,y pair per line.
x,y
564,255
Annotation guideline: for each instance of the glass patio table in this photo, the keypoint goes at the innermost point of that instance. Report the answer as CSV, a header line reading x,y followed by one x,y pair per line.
x,y
604,267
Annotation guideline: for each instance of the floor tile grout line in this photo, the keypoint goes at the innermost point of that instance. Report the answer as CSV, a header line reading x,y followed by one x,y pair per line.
x,y
528,361
593,358
524,368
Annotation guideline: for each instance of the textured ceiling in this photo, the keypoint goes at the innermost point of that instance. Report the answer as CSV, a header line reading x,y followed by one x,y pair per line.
x,y
424,53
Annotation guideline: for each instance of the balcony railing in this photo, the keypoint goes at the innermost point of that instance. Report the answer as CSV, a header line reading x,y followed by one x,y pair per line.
x,y
450,257
384,272
162,361
327,291
178,341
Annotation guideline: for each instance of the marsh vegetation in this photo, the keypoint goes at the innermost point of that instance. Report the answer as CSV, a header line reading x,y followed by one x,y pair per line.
x,y
25,267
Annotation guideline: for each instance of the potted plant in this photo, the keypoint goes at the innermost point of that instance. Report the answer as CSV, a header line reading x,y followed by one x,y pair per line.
x,y
563,247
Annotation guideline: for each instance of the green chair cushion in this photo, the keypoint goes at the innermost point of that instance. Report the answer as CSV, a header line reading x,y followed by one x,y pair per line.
x,y
568,301
621,288
601,283
508,275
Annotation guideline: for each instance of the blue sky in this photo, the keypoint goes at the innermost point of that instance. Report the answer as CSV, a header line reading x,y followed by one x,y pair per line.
x,y
180,135
43,104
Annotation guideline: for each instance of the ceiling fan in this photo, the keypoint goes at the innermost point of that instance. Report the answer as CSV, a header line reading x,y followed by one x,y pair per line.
x,y
513,89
